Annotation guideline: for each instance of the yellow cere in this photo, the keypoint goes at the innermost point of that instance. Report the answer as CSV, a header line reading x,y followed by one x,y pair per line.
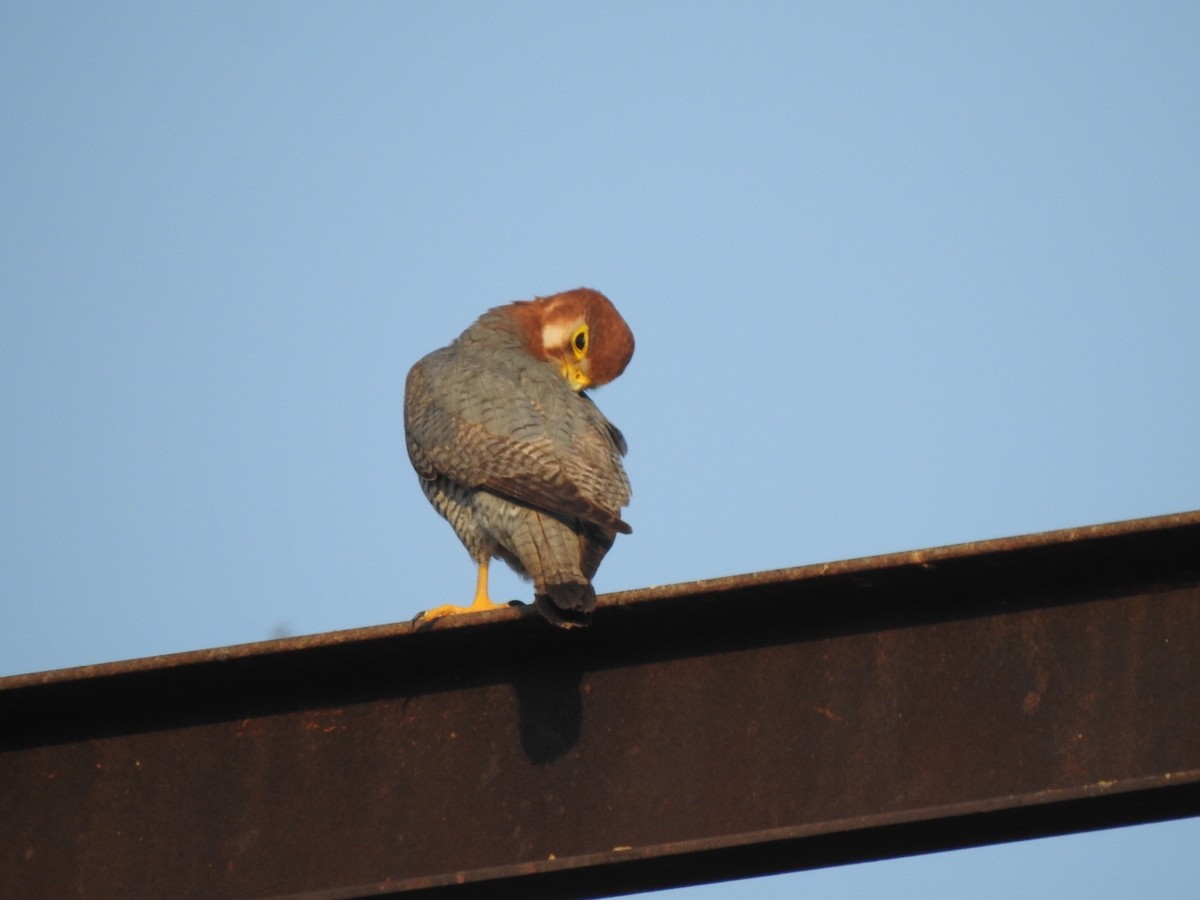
x,y
576,377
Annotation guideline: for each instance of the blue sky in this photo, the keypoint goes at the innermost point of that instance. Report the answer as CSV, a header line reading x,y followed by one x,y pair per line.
x,y
900,275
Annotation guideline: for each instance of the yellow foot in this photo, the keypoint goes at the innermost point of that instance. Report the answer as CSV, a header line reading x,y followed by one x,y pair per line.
x,y
449,609
481,603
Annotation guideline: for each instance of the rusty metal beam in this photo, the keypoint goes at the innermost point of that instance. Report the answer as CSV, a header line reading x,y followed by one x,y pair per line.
x,y
772,722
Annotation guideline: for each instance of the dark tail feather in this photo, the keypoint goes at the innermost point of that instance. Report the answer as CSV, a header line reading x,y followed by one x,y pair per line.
x,y
567,605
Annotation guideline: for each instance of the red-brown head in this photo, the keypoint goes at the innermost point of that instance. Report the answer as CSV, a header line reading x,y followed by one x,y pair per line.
x,y
580,331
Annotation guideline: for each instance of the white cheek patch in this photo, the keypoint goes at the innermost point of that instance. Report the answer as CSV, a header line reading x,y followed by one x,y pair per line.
x,y
555,335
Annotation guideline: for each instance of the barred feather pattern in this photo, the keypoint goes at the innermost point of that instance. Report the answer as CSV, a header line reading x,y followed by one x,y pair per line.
x,y
524,468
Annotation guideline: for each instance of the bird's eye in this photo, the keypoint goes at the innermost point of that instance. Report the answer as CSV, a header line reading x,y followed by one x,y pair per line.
x,y
579,341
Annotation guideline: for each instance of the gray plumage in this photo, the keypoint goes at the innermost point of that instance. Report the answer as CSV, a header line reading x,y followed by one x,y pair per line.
x,y
524,468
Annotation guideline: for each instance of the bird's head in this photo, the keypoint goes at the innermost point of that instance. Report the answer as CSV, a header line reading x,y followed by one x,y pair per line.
x,y
581,332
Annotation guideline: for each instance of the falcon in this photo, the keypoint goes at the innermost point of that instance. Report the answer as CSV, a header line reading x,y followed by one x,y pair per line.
x,y
511,450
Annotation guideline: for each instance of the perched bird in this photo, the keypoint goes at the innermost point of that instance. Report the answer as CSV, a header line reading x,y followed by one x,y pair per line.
x,y
513,453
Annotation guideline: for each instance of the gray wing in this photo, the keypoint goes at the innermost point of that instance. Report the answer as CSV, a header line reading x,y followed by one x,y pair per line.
x,y
515,429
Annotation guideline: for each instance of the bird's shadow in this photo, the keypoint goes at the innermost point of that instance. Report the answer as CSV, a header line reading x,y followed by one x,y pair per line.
x,y
549,709
549,698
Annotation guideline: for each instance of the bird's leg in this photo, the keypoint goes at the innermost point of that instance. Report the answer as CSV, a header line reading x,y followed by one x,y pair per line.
x,y
481,603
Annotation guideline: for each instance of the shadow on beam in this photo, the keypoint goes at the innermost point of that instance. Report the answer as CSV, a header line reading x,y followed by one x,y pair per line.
x,y
772,722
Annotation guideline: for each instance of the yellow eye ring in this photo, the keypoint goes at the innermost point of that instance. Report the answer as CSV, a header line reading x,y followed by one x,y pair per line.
x,y
579,341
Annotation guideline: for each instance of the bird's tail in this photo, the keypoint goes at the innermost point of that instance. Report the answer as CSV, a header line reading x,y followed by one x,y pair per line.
x,y
567,605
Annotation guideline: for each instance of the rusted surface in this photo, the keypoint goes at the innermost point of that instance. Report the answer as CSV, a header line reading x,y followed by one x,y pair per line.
x,y
763,723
